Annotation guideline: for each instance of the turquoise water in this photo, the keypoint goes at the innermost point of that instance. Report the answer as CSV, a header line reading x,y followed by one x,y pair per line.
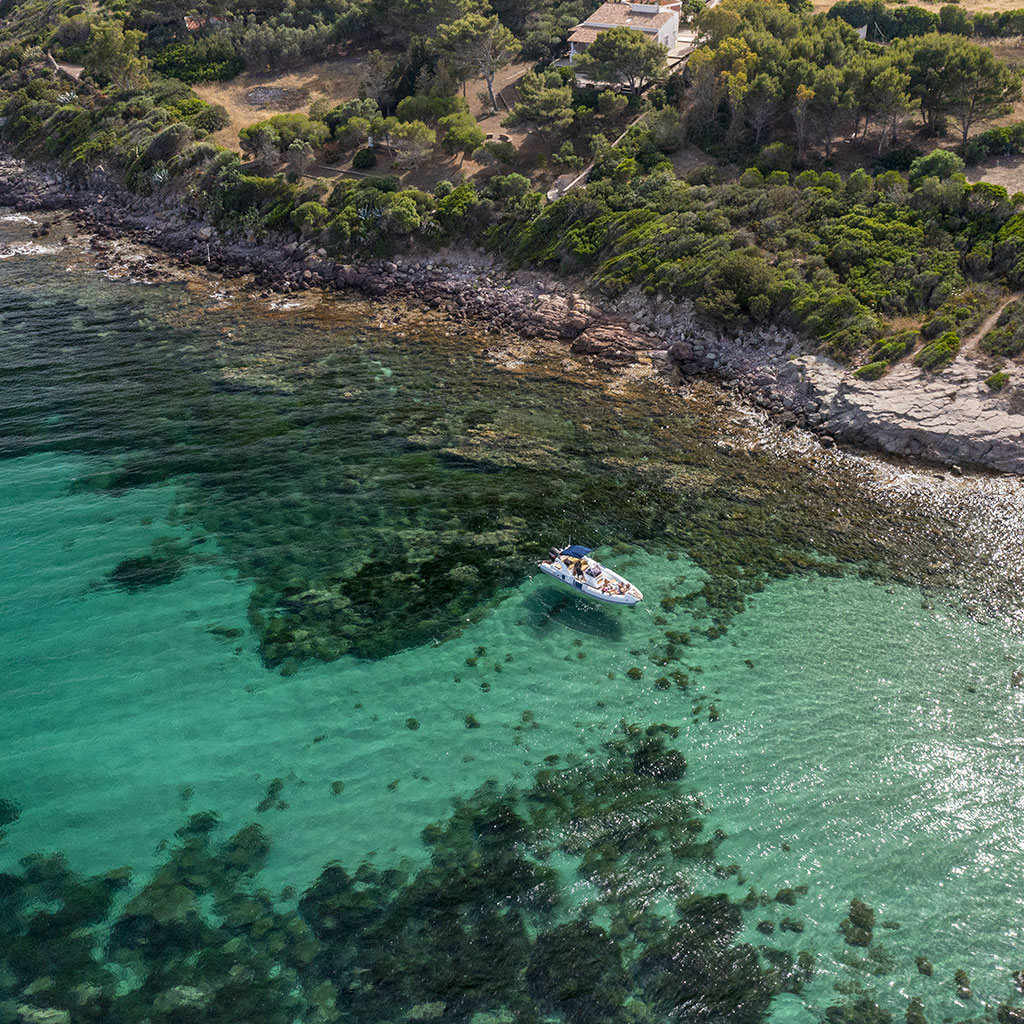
x,y
281,568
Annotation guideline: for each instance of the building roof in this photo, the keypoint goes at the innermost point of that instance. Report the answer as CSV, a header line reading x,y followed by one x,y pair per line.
x,y
614,15
585,35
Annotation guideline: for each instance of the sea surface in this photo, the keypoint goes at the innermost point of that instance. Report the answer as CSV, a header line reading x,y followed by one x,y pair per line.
x,y
277,567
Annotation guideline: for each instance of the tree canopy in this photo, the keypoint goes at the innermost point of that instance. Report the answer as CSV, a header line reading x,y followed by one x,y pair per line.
x,y
623,55
478,43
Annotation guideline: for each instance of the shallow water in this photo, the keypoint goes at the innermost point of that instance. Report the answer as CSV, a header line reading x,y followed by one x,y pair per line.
x,y
251,557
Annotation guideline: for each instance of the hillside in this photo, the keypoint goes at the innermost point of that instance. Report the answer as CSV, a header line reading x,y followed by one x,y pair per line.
x,y
824,185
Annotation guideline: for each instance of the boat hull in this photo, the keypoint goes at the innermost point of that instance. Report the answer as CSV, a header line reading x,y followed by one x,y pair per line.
x,y
631,597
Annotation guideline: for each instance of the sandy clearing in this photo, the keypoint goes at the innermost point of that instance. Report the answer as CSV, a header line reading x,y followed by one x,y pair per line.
x,y
254,97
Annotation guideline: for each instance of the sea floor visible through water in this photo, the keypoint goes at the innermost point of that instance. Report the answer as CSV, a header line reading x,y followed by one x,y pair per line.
x,y
213,523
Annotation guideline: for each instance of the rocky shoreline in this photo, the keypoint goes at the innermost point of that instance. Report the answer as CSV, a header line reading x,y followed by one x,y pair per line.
x,y
951,419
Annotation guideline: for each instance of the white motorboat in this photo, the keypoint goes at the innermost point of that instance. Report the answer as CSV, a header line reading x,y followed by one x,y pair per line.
x,y
574,567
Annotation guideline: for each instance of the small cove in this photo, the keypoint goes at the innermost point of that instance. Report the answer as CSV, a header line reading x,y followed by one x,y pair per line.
x,y
312,471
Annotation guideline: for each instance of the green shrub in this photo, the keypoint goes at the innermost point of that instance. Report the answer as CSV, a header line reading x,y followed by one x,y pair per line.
x,y
939,163
456,207
1007,337
337,117
775,157
895,347
872,371
936,325
901,159
309,217
287,128
998,380
938,354
752,178
1007,140
212,59
174,138
501,152
429,108
210,119
364,159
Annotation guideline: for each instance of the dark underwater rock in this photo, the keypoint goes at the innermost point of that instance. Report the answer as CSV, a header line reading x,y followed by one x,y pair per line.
x,y
273,792
963,985
133,574
9,812
710,919
247,850
862,1011
576,970
199,824
858,928
915,1012
653,758
684,980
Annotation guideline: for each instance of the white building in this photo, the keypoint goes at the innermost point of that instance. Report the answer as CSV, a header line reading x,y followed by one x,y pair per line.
x,y
660,23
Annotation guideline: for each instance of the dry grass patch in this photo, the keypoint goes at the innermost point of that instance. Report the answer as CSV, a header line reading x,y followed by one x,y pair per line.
x,y
254,96
970,6
1007,171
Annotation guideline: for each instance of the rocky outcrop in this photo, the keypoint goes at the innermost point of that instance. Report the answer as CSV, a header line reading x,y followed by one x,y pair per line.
x,y
950,418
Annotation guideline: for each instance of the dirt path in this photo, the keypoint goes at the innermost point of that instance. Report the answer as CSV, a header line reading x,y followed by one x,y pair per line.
x,y
970,345
73,71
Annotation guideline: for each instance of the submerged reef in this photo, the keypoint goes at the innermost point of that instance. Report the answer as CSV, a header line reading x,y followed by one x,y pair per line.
x,y
145,571
380,491
567,899
489,926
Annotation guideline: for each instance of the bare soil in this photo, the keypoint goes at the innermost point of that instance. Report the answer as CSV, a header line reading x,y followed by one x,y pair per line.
x,y
1007,171
254,97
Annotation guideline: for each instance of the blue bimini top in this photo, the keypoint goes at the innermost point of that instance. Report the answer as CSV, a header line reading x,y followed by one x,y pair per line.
x,y
577,551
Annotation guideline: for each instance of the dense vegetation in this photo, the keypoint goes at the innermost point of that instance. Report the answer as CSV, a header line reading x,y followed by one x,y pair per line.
x,y
788,240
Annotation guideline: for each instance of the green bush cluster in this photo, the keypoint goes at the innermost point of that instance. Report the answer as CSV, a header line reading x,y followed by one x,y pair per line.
x,y
938,354
364,159
1006,140
895,347
998,380
209,59
1007,337
136,133
285,129
872,371
833,257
